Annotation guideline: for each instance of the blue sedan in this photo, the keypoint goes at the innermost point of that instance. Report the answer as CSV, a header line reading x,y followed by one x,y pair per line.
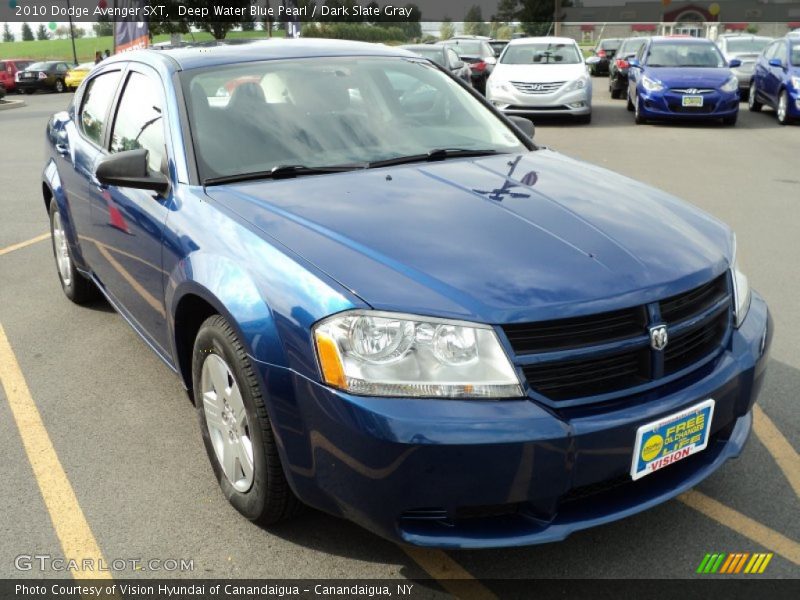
x,y
776,80
675,78
389,304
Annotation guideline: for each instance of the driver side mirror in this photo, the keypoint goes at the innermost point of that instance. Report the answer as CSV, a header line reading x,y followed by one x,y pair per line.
x,y
735,62
459,64
523,124
634,62
129,169
775,62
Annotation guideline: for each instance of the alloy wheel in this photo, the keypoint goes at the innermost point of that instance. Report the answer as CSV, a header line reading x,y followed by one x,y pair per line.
x,y
61,248
782,108
227,422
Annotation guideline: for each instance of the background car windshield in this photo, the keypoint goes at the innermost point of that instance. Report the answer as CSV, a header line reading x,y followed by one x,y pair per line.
x,y
541,54
795,55
677,54
610,44
329,112
750,45
467,48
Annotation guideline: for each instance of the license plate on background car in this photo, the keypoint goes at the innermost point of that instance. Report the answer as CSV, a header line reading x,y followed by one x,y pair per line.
x,y
672,438
692,101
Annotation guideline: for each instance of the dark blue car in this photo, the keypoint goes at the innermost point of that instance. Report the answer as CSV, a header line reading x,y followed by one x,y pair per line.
x,y
682,78
776,80
390,305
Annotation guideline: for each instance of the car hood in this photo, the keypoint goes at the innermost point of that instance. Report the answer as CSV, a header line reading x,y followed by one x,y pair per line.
x,y
690,76
538,73
500,239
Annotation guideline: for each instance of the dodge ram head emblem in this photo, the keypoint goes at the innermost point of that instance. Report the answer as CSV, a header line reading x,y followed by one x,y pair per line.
x,y
658,337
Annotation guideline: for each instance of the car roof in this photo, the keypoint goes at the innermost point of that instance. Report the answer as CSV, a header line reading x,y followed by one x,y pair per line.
x,y
687,39
548,39
415,47
209,55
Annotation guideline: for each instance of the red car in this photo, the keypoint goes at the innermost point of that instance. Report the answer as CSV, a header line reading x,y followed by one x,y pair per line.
x,y
8,71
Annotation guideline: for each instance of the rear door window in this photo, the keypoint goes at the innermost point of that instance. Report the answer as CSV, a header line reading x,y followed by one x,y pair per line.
x,y
139,122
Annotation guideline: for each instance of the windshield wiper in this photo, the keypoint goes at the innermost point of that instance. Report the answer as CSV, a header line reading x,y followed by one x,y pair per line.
x,y
284,172
430,156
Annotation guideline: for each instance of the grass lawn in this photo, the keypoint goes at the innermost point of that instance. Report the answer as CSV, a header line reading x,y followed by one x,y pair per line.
x,y
86,47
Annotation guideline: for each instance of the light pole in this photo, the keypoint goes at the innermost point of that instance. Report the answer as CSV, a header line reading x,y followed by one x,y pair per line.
x,y
72,34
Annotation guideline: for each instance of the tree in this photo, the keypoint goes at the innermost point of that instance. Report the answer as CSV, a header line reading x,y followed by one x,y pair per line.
x,y
446,29
7,35
752,28
248,25
473,22
27,33
535,16
42,33
103,27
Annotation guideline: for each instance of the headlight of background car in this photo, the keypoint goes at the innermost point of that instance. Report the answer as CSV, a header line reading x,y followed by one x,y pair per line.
x,y
741,289
796,82
731,85
651,85
578,84
387,354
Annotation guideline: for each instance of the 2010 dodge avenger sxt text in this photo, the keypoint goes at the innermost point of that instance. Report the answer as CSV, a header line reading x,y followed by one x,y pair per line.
x,y
390,305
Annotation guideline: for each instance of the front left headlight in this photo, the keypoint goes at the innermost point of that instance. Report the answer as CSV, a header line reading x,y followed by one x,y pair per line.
x,y
731,85
741,289
393,354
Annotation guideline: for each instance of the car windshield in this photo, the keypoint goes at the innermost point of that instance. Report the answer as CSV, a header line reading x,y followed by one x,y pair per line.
x,y
610,44
332,112
681,54
794,57
434,54
747,45
39,66
541,53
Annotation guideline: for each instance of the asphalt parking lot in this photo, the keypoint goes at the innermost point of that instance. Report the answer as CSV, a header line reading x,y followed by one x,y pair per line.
x,y
127,436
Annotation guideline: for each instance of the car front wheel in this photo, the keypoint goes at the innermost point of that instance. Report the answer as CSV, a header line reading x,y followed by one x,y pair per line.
x,y
236,428
783,109
76,287
637,115
60,87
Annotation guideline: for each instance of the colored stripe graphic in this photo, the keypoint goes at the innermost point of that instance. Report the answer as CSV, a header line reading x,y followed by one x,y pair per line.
x,y
734,563
740,564
703,563
726,566
765,563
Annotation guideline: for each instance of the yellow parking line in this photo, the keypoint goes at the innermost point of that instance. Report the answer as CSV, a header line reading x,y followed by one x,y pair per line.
x,y
12,247
743,525
449,574
77,540
779,447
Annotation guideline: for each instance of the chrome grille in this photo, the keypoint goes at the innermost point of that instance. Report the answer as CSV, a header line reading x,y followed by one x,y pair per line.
x,y
537,88
692,91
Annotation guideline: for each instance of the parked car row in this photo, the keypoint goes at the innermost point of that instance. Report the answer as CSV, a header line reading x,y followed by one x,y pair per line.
x,y
28,76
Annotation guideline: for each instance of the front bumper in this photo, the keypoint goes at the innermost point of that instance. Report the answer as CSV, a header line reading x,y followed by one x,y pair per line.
x,y
560,102
667,105
34,84
477,474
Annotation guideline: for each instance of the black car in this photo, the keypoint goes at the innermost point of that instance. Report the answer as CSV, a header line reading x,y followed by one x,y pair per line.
x,y
444,57
618,68
48,75
479,55
602,55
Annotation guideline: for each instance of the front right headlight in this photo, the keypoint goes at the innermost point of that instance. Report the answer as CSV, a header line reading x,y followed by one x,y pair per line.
x,y
796,82
651,85
375,353
731,85
741,289
498,85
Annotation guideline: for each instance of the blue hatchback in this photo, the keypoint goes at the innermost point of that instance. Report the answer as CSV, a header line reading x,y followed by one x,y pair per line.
x,y
677,78
389,304
776,81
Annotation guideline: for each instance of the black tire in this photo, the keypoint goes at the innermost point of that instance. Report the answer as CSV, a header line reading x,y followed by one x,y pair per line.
x,y
730,121
269,500
630,104
752,99
60,87
79,289
615,93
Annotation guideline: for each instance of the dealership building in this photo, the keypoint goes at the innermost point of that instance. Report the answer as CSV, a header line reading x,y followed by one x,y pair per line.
x,y
590,21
